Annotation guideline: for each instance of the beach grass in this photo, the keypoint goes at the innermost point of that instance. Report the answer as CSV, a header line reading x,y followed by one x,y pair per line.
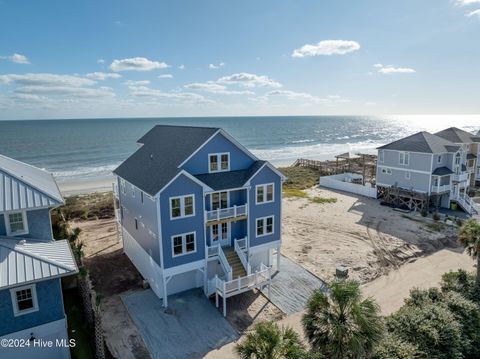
x,y
322,200
88,206
299,177
294,193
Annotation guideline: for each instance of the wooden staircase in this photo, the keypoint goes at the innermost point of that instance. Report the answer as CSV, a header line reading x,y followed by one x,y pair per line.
x,y
237,267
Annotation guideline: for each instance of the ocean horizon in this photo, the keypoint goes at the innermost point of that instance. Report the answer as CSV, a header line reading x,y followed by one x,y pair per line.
x,y
89,149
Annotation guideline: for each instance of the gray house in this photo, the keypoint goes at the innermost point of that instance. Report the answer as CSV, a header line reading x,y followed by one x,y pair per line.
x,y
427,164
198,210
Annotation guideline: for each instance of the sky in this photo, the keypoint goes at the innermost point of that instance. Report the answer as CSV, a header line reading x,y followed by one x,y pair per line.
x,y
118,58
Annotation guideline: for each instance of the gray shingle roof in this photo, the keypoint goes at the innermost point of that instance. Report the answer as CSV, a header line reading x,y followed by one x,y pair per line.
x,y
164,148
26,260
23,186
232,179
442,171
456,135
423,142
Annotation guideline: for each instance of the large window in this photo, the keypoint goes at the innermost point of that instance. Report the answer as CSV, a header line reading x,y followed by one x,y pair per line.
x,y
183,206
183,244
387,171
381,156
264,193
219,200
24,300
404,158
16,223
264,226
218,162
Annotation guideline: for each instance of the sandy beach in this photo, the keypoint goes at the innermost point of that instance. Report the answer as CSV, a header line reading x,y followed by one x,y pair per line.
x,y
85,186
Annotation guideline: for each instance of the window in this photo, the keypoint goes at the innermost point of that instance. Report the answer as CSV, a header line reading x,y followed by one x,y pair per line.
x,y
387,171
123,186
24,300
219,200
381,156
439,158
133,191
136,224
219,162
407,175
183,244
457,159
404,158
16,223
219,231
264,193
141,196
181,207
264,226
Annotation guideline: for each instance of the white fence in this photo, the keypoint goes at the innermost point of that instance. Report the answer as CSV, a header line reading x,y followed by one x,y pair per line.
x,y
343,182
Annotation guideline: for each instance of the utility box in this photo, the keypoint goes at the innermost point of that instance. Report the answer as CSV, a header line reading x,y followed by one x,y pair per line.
x,y
341,272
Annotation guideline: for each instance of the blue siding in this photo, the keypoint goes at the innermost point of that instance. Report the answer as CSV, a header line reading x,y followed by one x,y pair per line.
x,y
266,175
182,186
146,213
39,225
50,308
237,198
198,164
238,230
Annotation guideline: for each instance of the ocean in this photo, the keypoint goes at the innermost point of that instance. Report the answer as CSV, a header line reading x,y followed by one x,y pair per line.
x,y
89,149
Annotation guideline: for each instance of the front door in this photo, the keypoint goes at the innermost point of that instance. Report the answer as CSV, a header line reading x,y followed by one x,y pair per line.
x,y
220,234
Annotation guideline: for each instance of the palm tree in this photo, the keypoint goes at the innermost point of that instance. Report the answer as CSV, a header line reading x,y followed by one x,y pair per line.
x,y
269,341
469,237
340,324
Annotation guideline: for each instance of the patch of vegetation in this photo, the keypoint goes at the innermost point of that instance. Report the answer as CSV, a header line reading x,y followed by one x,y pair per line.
x,y
87,207
322,200
293,192
435,227
300,177
436,216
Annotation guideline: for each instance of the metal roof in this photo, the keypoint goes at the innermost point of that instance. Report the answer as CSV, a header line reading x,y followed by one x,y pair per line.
x,y
164,148
23,186
423,142
26,260
456,135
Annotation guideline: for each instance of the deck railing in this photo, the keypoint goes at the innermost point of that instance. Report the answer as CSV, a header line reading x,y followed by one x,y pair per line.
x,y
240,245
118,215
460,177
215,251
442,188
224,213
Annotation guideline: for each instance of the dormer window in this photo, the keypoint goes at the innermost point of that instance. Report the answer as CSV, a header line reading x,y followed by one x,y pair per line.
x,y
457,159
219,162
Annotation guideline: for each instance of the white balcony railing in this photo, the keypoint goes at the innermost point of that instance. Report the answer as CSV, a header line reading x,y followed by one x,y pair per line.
x,y
225,213
462,177
216,251
118,215
239,245
442,188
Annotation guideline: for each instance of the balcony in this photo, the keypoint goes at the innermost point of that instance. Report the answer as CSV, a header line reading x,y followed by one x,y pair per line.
x,y
227,214
462,177
441,188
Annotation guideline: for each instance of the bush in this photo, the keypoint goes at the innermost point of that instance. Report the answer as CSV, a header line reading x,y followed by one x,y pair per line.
x,y
392,347
424,212
436,216
322,200
463,283
293,192
300,177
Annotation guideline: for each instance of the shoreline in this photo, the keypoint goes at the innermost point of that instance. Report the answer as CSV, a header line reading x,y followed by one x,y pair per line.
x,y
76,187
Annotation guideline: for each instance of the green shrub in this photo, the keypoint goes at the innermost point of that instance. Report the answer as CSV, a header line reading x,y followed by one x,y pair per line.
x,y
392,347
322,200
436,216
424,212
294,192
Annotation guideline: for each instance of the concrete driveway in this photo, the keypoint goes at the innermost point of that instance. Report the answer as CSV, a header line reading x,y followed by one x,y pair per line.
x,y
190,327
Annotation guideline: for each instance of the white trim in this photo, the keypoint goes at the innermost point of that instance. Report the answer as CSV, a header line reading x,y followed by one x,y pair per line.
x,y
264,246
264,220
408,175
389,185
404,169
269,165
381,159
184,244
406,158
221,241
218,155
199,148
182,206
187,267
24,220
13,294
220,199
189,176
265,185
133,190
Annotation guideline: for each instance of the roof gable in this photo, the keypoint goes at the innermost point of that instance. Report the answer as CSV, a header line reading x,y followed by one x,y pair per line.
x,y
456,135
24,261
423,142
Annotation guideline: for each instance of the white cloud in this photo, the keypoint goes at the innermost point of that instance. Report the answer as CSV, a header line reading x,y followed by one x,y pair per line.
x,y
466,2
16,58
215,67
181,67
100,61
136,83
101,76
473,13
306,97
136,64
390,69
166,76
216,88
248,80
46,79
83,92
327,47
143,91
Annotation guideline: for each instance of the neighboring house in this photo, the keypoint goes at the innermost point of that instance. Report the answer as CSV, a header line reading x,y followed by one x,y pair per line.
x,y
429,164
31,263
197,209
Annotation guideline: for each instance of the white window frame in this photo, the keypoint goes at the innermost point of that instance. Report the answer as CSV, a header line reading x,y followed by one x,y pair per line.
x,y
13,294
387,171
133,190
182,206
24,220
220,199
265,185
407,175
123,186
381,156
264,220
184,244
219,162
219,227
406,158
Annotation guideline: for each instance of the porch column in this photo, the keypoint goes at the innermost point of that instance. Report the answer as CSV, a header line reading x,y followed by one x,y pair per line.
x,y
278,258
165,300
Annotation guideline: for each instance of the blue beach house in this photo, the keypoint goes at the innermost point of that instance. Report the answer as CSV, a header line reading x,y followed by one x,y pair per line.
x,y
198,210
31,264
